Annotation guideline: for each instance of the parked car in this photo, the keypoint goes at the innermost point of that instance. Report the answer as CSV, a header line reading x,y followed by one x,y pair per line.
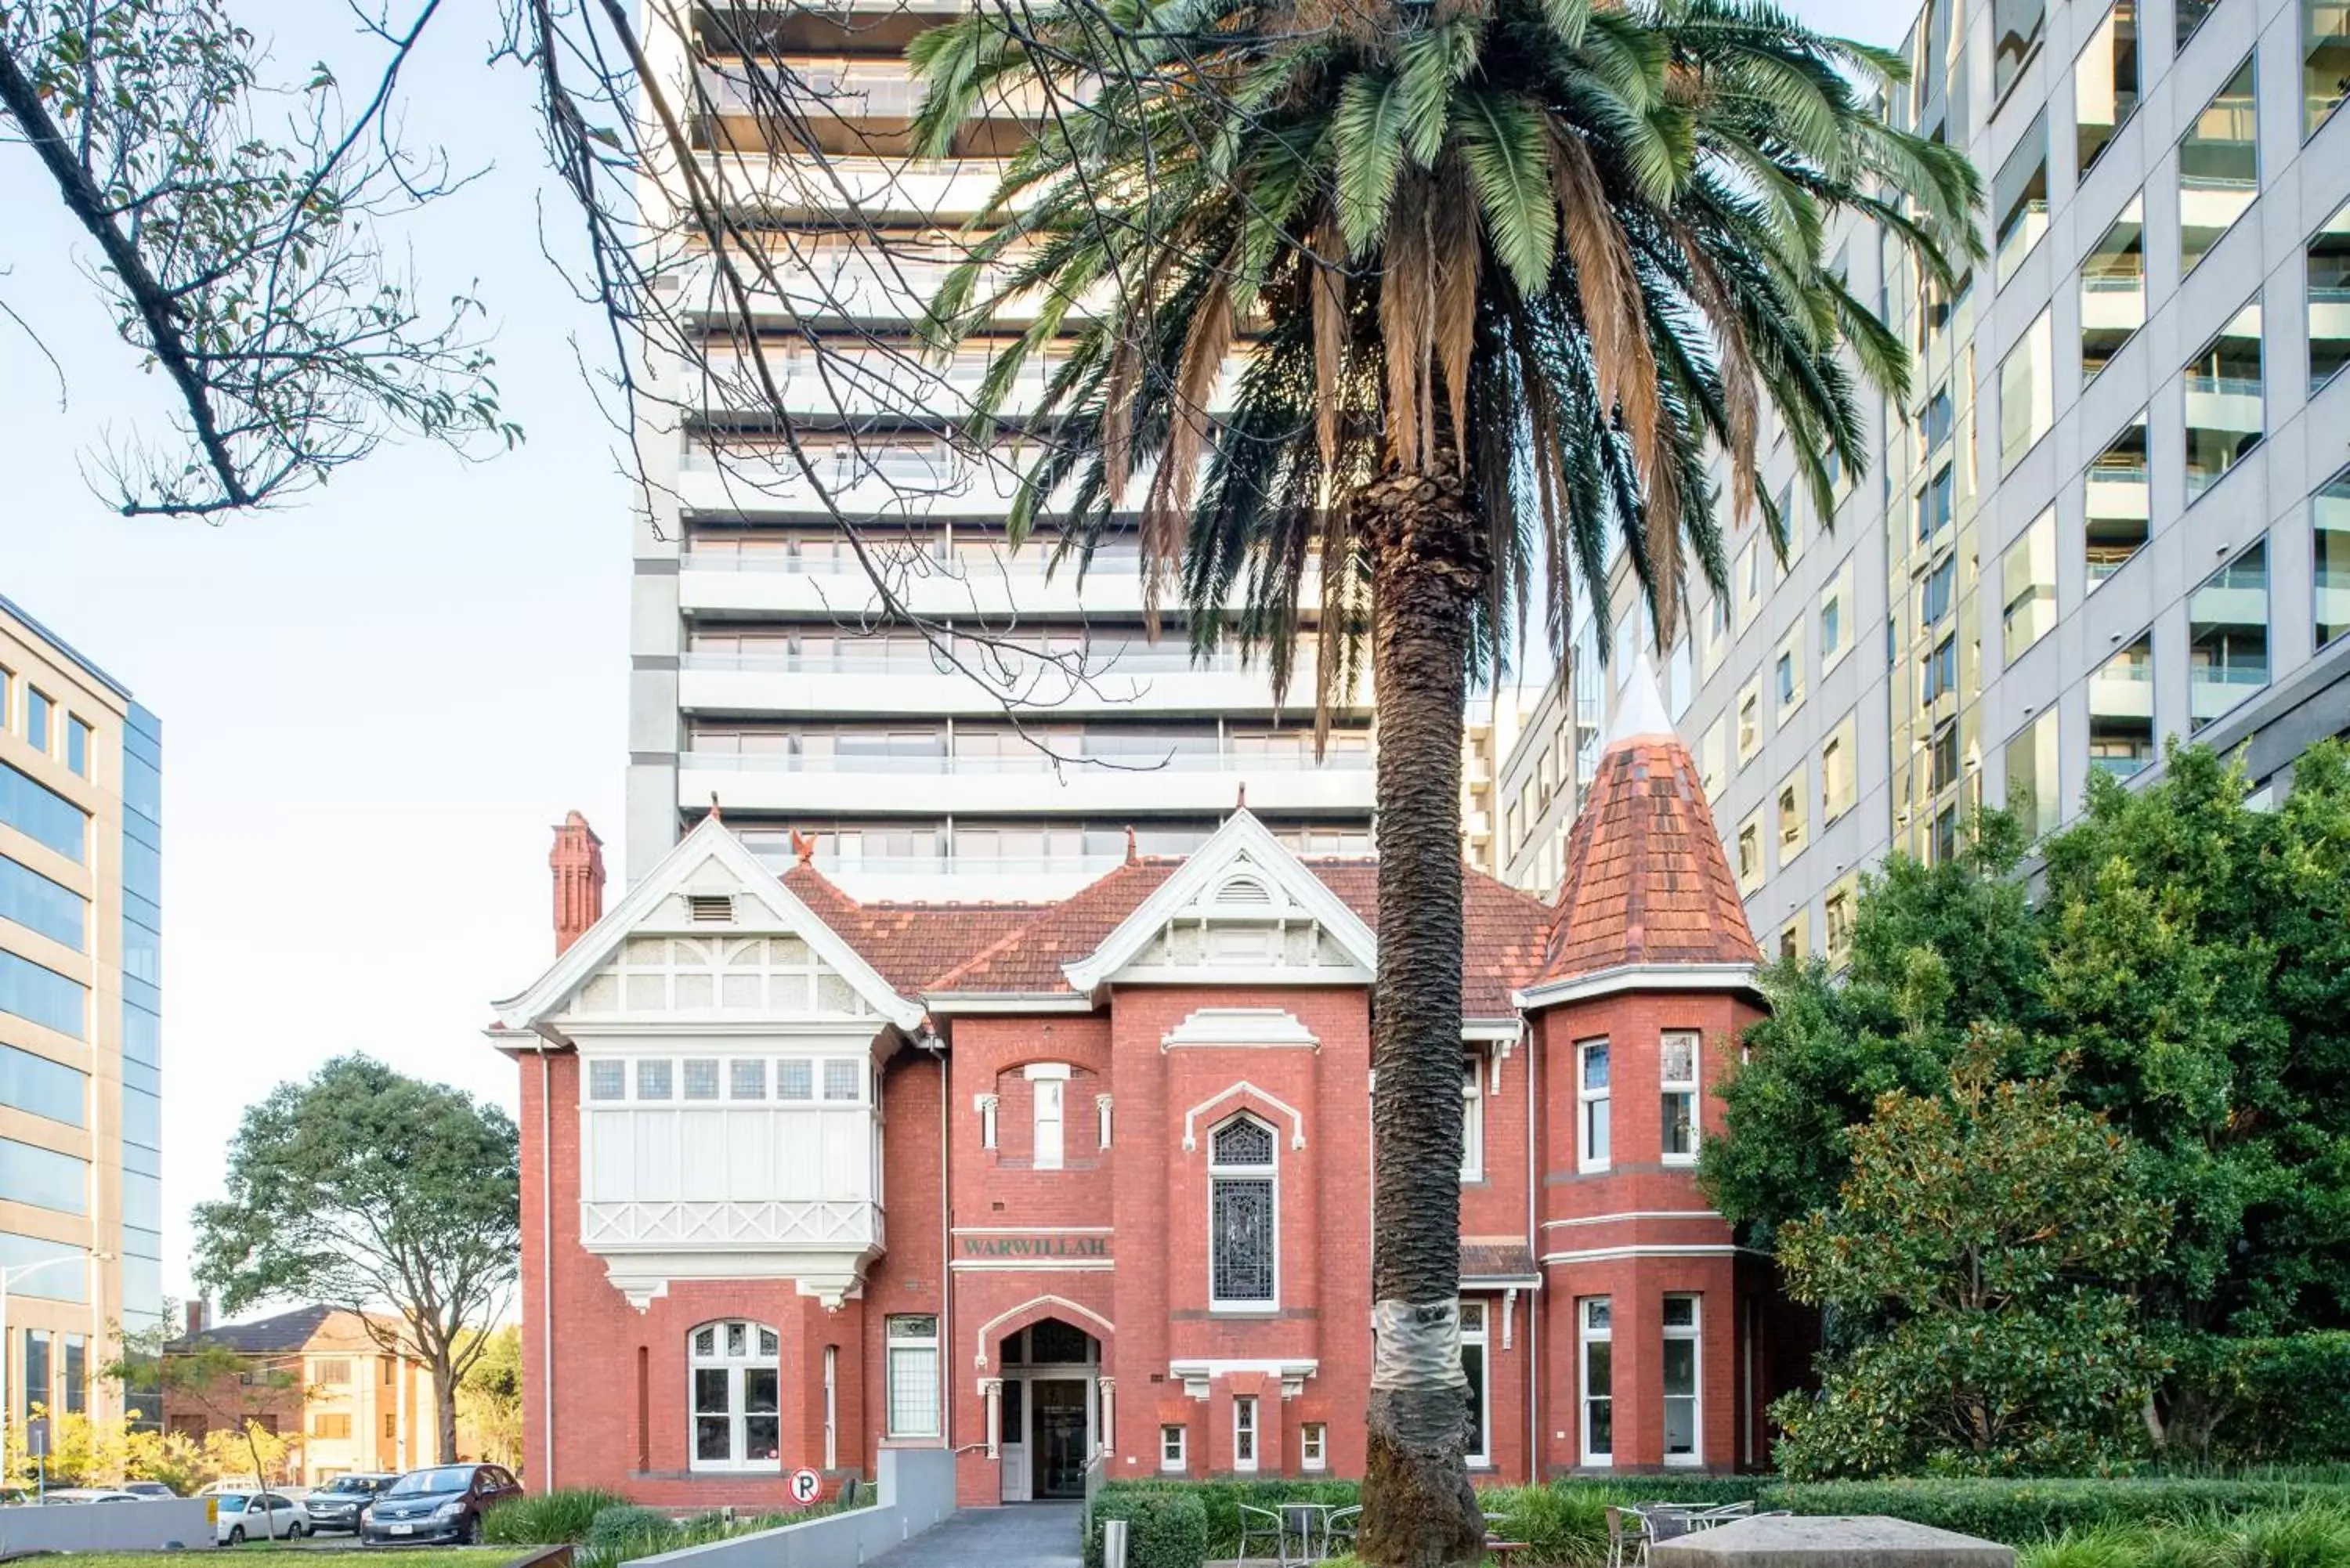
x,y
443,1504
337,1505
259,1516
91,1494
148,1489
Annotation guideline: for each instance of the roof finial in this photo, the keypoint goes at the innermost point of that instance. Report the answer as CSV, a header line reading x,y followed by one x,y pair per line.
x,y
715,816
804,846
1642,710
1242,803
1133,855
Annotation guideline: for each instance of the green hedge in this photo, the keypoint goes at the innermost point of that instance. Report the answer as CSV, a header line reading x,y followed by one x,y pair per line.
x,y
548,1518
1167,1526
2022,1512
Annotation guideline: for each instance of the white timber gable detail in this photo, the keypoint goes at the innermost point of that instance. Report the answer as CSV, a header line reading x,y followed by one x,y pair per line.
x,y
1242,910
728,1102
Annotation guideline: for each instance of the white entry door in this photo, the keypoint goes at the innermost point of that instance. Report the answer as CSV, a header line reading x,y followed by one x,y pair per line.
x,y
1012,1440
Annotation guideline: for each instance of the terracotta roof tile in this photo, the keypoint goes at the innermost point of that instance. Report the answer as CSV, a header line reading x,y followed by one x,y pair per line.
x,y
1480,1260
1646,881
1503,930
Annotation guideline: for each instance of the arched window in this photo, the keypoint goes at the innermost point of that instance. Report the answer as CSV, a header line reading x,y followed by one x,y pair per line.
x,y
737,1380
1243,1221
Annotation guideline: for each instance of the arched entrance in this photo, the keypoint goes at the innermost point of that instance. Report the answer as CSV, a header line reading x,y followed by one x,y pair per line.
x,y
1049,1410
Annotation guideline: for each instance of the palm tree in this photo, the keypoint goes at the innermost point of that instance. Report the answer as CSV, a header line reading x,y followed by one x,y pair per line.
x,y
1503,272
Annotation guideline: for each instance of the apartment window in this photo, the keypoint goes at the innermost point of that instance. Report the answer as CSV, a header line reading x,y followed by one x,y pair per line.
x,y
2027,393
2329,531
1594,1132
2114,506
1473,1121
52,908
1243,1237
1312,1445
391,1425
1677,1088
8,697
1682,1381
1787,671
1680,689
2121,710
1841,901
1750,721
42,814
1172,1439
1244,1432
2329,299
2219,164
331,1425
2028,582
40,718
2017,26
1836,613
1750,854
2105,84
2032,781
2113,290
1838,755
1750,582
41,995
2324,60
1594,1323
1794,826
1939,677
914,1371
2228,636
2019,196
736,1369
1935,503
1049,1093
1942,755
2187,20
76,1372
1937,590
1712,750
35,1392
2224,402
1473,1365
335,1372
1791,940
78,747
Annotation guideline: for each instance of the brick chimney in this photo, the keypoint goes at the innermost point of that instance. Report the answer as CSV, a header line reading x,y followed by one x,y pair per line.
x,y
577,861
197,1313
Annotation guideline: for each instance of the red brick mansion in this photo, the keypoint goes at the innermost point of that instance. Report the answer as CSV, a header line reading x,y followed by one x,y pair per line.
x,y
805,1178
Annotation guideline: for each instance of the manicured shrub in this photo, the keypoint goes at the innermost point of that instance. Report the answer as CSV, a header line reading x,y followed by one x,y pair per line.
x,y
547,1518
633,1529
1166,1526
2028,1512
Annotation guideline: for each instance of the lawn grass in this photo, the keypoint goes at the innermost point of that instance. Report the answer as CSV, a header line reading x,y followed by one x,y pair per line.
x,y
309,1557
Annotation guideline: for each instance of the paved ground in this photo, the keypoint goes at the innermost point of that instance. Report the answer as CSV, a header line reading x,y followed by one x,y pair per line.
x,y
1024,1535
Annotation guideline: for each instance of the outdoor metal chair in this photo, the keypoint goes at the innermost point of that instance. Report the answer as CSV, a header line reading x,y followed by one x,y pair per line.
x,y
1628,1537
1338,1530
1301,1524
1259,1524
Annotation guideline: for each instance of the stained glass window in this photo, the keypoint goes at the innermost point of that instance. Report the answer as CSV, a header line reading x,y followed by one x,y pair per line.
x,y
1241,1220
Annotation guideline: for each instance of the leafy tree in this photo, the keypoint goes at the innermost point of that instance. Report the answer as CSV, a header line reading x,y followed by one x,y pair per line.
x,y
243,1397
1993,1229
489,1399
1510,270
366,1190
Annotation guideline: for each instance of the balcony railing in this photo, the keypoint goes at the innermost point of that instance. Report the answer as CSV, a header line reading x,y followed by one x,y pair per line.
x,y
1031,762
1073,661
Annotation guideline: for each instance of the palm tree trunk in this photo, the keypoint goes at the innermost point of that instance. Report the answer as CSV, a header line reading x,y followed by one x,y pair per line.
x,y
1429,569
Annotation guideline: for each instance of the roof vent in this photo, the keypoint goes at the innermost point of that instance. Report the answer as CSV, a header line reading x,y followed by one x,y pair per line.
x,y
1244,891
710,908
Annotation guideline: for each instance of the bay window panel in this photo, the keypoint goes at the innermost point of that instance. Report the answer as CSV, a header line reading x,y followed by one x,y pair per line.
x,y
2028,580
2105,84
2226,413
2228,636
2219,164
2324,60
2115,508
2328,262
2020,197
2113,290
2027,393
2121,711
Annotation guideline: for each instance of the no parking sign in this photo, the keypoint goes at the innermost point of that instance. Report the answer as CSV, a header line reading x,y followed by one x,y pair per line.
x,y
806,1484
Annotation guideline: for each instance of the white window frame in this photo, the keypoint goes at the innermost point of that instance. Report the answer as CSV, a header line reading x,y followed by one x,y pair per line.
x,y
1693,1333
831,1407
754,1357
1101,1120
1683,1089
895,1345
1174,1448
1474,1318
1312,1445
1269,1173
1473,1119
1587,1101
1587,1335
1048,1089
1244,1432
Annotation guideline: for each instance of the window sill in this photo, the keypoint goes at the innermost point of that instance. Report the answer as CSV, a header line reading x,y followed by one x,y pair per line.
x,y
1243,1309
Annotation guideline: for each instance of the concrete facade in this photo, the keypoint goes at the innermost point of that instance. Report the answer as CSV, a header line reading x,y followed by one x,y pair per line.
x,y
81,1207
2018,542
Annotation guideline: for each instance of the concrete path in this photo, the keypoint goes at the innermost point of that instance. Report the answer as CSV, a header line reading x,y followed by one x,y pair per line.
x,y
1021,1535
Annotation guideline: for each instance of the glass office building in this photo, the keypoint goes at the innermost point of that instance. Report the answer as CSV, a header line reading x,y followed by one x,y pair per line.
x,y
2114,506
81,1204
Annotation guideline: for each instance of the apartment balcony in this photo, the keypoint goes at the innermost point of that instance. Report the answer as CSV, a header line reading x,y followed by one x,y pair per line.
x,y
948,878
991,582
942,191
882,479
2329,313
1161,681
852,88
2213,688
2123,693
818,277
2230,404
865,382
2117,493
1025,784
2113,305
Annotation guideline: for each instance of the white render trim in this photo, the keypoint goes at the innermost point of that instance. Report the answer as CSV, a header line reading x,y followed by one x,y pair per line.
x,y
1633,1214
1242,836
1036,1230
1263,1027
947,1001
1191,1117
1505,1030
1642,977
710,840
644,1277
1040,1069
1324,976
1031,1266
1668,1250
1195,1375
1056,1302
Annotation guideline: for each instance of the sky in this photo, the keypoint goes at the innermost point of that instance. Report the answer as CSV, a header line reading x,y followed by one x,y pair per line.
x,y
376,701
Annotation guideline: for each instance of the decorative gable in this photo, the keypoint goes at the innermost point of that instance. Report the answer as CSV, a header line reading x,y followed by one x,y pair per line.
x,y
1242,909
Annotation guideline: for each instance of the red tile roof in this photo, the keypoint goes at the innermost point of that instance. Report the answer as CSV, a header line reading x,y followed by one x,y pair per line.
x,y
1646,881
